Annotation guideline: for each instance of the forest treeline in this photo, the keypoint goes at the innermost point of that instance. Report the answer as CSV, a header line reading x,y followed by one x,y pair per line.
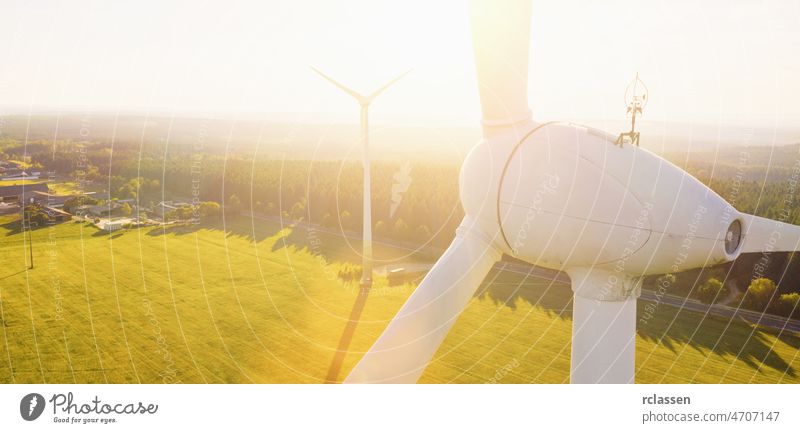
x,y
411,201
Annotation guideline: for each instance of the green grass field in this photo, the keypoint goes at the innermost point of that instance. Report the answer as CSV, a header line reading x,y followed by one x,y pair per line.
x,y
263,304
64,188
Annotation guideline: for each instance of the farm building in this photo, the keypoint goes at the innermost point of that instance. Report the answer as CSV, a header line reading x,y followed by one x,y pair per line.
x,y
5,166
111,226
21,193
57,215
104,210
165,207
8,208
48,199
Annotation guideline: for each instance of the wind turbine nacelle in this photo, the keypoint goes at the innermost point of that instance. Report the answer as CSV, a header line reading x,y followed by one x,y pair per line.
x,y
565,197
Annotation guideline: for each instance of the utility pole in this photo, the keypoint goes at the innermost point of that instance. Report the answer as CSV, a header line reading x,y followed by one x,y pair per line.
x,y
26,226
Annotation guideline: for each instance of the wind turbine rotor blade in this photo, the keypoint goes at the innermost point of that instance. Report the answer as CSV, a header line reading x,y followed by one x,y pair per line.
x,y
766,235
409,342
501,41
375,94
361,98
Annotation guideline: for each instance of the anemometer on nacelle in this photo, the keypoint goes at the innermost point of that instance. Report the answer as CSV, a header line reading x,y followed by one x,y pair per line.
x,y
635,101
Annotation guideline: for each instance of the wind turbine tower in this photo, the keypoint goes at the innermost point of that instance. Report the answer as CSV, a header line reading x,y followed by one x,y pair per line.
x,y
364,102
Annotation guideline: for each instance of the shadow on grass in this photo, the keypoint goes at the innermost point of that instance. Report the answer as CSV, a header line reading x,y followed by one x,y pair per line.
x,y
12,274
539,287
673,328
669,327
549,291
14,227
347,337
333,246
236,226
110,235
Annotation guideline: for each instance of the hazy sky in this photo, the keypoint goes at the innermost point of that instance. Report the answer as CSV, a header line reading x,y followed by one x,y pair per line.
x,y
712,60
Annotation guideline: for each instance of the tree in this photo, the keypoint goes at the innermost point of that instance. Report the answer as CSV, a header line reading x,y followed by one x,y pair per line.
x,y
327,220
665,281
345,219
92,173
77,201
233,205
759,293
125,209
400,228
380,228
129,189
36,215
790,274
787,305
298,210
154,185
185,213
423,234
209,209
349,272
712,291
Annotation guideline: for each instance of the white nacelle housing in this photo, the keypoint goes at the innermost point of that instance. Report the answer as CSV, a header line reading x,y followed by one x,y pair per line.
x,y
564,196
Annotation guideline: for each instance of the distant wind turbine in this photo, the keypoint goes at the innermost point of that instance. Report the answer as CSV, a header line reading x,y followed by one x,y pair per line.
x,y
364,101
